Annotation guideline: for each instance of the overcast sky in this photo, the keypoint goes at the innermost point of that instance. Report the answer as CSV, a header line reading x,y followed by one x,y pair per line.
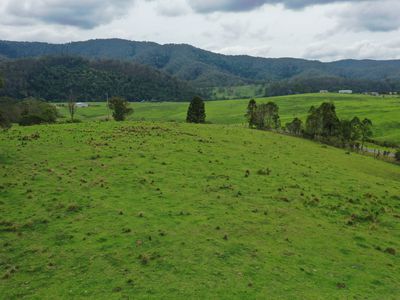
x,y
313,29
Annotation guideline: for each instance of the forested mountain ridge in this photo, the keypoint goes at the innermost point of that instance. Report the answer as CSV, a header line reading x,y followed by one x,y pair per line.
x,y
205,68
59,77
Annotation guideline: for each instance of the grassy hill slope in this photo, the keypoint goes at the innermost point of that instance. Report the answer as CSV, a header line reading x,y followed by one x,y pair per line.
x,y
384,112
158,210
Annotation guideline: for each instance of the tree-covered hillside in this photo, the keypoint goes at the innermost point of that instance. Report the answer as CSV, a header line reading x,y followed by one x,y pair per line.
x,y
58,78
207,69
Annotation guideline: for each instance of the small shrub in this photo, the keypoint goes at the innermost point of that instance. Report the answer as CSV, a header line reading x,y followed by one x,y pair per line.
x,y
341,285
391,251
144,259
264,172
73,208
73,121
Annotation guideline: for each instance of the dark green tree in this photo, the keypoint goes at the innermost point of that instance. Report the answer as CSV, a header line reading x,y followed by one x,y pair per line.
x,y
5,122
260,117
323,121
267,116
346,131
329,120
356,129
272,119
251,114
295,127
120,108
71,107
196,112
365,131
33,111
313,128
350,132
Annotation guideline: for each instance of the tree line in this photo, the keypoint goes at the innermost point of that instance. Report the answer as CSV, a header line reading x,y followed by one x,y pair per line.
x,y
313,84
32,111
322,124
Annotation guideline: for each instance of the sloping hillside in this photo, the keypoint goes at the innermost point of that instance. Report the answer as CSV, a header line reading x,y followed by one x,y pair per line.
x,y
206,68
152,210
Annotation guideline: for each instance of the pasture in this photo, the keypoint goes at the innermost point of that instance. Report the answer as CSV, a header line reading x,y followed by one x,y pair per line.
x,y
151,210
384,112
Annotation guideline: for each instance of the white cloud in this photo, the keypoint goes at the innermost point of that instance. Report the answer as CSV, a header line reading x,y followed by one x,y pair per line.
x,y
360,50
260,51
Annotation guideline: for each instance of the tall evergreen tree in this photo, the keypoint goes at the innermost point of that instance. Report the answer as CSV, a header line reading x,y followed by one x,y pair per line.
x,y
312,123
272,120
346,132
267,116
251,114
323,121
71,107
365,130
330,121
120,108
295,127
5,123
196,112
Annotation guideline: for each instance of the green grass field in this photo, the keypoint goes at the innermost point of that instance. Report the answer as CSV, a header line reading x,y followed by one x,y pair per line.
x,y
141,210
384,112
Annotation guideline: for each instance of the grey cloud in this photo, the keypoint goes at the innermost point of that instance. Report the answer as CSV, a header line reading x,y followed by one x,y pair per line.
x,y
208,6
171,8
358,50
85,14
379,16
235,29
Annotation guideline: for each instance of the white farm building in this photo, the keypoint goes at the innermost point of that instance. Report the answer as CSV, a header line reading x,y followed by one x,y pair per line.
x,y
345,92
81,104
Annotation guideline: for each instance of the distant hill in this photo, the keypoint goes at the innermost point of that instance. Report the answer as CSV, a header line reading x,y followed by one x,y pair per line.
x,y
55,78
208,69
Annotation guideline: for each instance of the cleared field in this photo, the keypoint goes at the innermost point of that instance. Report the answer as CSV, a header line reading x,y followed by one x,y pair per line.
x,y
142,210
384,112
